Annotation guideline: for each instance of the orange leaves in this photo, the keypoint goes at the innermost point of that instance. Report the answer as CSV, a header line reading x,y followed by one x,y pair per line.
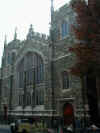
x,y
80,32
79,69
92,35
87,32
71,49
94,26
80,35
75,71
80,6
83,52
92,3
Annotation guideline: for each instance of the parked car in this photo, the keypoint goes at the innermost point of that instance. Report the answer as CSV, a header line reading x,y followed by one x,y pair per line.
x,y
20,125
28,125
24,125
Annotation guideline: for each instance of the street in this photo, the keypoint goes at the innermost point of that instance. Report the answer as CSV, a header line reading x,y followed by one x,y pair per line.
x,y
4,129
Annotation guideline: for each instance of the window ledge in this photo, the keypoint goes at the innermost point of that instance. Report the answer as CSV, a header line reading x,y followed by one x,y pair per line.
x,y
65,37
66,90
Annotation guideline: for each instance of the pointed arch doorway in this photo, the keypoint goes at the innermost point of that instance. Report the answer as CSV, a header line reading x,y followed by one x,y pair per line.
x,y
68,114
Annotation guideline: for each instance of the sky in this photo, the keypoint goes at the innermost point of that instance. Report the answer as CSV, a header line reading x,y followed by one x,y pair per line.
x,y
22,13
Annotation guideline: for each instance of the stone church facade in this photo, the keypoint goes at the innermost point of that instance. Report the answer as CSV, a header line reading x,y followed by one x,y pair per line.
x,y
26,80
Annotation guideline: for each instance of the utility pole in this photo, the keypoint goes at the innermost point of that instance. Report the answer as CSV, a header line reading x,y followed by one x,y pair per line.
x,y
52,61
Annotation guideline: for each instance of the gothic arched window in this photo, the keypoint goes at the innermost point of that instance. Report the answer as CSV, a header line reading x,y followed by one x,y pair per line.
x,y
39,97
13,57
38,69
20,99
64,29
28,99
65,80
20,70
32,65
8,59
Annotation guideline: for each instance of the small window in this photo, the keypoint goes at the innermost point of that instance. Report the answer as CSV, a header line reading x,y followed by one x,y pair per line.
x,y
20,100
21,79
28,101
9,59
13,57
64,29
37,97
41,97
65,80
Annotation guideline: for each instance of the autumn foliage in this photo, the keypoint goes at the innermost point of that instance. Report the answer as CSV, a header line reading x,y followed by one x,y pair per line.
x,y
87,33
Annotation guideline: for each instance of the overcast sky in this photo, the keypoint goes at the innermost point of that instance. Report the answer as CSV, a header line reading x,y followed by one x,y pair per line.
x,y
22,13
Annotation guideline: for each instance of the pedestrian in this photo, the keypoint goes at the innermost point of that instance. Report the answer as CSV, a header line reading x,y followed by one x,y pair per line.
x,y
69,130
60,129
12,129
94,127
24,131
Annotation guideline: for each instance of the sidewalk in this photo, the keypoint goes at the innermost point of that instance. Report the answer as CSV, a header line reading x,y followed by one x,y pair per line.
x,y
4,126
50,130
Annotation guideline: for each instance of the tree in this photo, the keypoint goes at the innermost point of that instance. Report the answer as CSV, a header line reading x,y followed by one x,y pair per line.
x,y
87,48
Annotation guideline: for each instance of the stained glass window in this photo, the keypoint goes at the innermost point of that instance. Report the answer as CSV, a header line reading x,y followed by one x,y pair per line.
x,y
64,29
32,65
